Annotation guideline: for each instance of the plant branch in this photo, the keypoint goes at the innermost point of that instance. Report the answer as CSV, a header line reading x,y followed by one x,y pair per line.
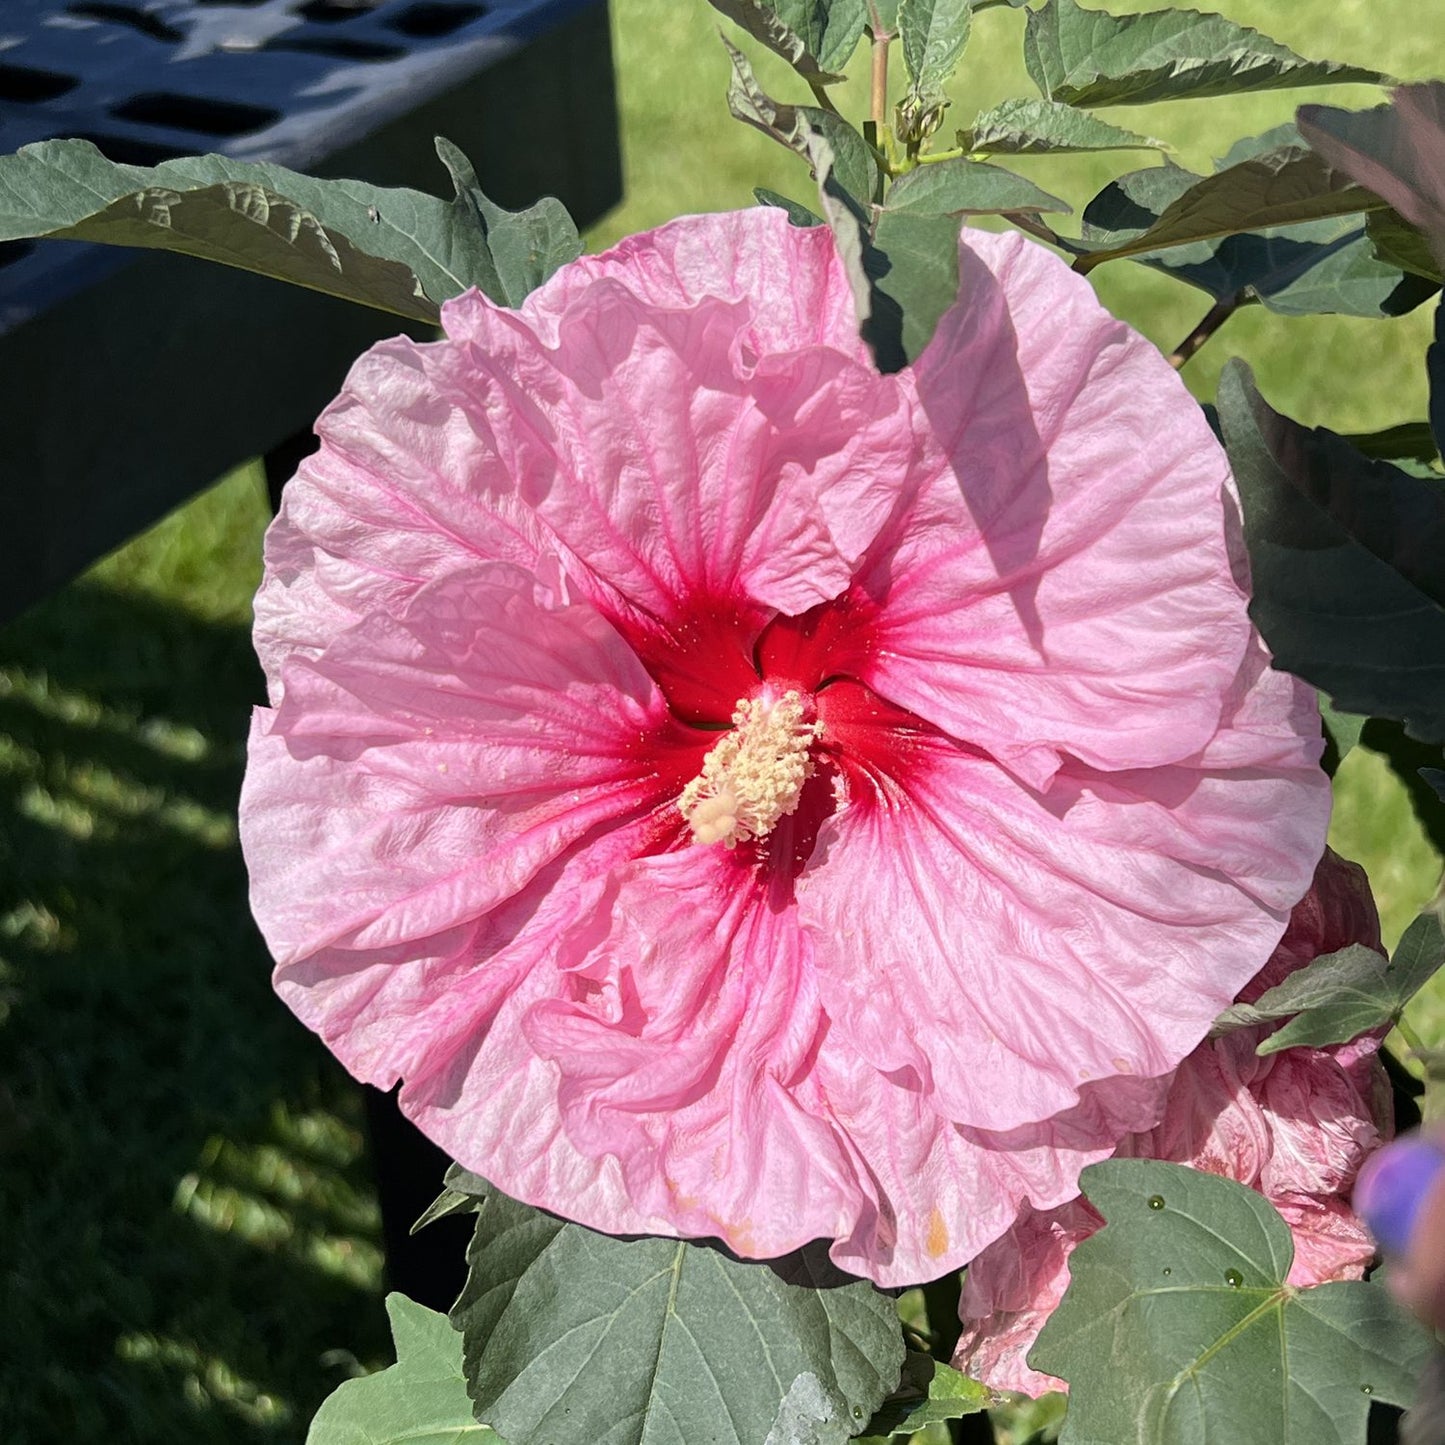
x,y
820,94
1412,1039
1032,225
1213,319
879,100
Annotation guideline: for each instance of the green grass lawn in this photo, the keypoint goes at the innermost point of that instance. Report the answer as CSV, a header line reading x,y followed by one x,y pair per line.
x,y
190,1245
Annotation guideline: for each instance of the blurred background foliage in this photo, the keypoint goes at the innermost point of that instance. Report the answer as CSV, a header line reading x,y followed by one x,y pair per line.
x,y
189,1249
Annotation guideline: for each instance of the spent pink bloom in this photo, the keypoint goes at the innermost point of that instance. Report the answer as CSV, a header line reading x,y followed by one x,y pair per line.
x,y
743,795
1295,1125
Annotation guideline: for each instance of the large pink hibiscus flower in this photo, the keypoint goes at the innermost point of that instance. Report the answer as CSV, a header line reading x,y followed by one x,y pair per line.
x,y
1295,1125
743,795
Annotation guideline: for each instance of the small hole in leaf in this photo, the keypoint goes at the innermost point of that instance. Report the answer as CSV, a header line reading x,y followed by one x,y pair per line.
x,y
1233,1278
20,82
196,113
131,15
1156,1201
1167,1270
430,21
1367,1389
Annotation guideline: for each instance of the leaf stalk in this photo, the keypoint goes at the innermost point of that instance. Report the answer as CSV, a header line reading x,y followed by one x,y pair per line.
x,y
1212,320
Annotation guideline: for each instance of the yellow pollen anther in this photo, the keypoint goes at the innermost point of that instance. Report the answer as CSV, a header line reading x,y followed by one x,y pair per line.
x,y
755,774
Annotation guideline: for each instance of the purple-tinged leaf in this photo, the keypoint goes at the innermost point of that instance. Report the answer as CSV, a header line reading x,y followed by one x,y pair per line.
x,y
1348,562
1396,150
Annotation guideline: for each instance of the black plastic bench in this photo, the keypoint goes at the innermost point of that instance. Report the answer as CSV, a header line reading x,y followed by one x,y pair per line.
x,y
128,382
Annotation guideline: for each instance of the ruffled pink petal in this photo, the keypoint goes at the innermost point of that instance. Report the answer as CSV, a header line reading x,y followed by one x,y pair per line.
x,y
668,439
1295,1126
1051,952
685,1046
1330,1242
422,769
1063,582
1338,910
446,1015
1212,1121
786,276
1010,1291
674,467
1321,1124
931,1195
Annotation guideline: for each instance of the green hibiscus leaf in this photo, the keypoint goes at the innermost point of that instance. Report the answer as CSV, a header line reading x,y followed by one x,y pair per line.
x,y
1342,995
913,262
1089,57
929,1393
1325,265
1178,1327
902,267
1342,734
798,213
1400,244
398,250
1043,127
1348,562
815,37
961,187
853,165
934,34
1149,212
572,1337
420,1400
514,250
1394,150
1406,441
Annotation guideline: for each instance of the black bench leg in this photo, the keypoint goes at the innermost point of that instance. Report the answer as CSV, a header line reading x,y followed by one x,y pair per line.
x,y
429,1267
281,463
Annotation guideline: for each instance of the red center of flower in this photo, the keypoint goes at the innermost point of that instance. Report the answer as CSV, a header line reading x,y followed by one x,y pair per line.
x,y
792,727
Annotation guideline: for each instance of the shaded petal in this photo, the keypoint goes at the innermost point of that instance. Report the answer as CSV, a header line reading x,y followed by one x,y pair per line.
x,y
1212,1120
1321,1122
1062,583
1329,1240
1338,910
1009,1292
422,769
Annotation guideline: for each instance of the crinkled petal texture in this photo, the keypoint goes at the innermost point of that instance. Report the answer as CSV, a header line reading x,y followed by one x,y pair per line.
x,y
1055,808
1295,1125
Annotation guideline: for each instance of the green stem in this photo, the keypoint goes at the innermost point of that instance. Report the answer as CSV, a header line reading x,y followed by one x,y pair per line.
x,y
820,94
934,156
1407,1032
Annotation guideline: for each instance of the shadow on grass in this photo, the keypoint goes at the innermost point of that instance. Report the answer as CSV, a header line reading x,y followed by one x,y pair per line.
x,y
189,1246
